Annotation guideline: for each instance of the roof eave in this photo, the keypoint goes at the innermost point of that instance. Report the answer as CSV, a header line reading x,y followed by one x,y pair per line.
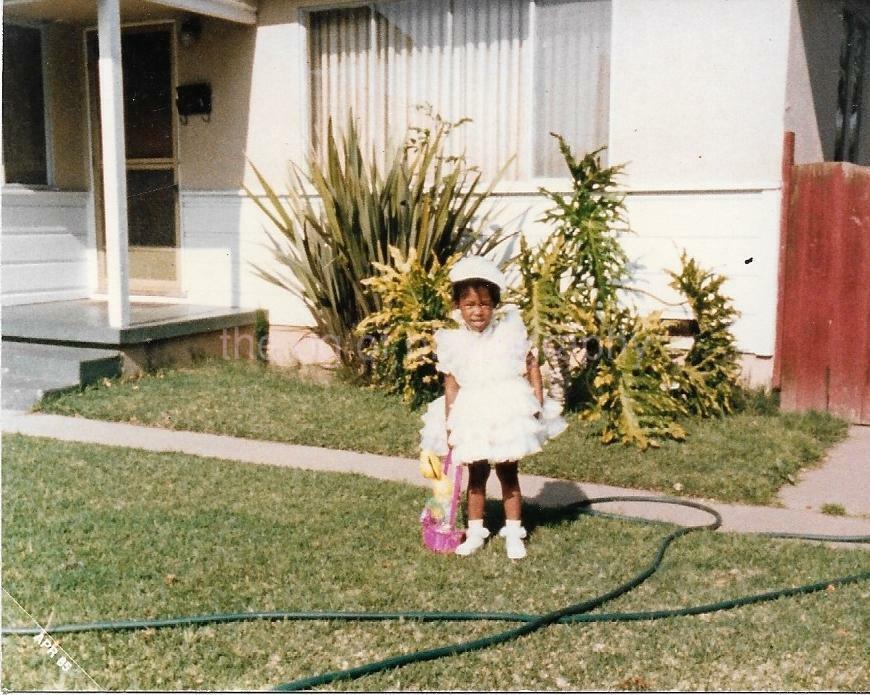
x,y
231,10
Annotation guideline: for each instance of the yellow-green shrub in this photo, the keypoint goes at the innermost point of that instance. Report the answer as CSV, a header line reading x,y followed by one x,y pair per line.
x,y
399,338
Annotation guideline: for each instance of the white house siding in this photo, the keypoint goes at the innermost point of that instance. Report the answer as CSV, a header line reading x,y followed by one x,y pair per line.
x,y
698,92
45,246
722,230
225,236
735,233
697,100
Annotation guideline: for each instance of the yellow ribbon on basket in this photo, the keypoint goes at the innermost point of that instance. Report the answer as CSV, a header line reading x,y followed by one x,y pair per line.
x,y
430,465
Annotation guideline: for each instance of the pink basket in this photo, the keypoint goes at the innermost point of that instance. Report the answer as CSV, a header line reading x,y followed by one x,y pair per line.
x,y
443,536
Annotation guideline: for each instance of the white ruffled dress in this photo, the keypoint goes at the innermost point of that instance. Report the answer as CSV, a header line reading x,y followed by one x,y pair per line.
x,y
495,414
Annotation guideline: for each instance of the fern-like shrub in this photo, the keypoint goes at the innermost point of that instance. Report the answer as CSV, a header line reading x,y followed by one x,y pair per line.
x,y
586,227
640,394
709,374
636,394
569,283
557,318
570,287
399,338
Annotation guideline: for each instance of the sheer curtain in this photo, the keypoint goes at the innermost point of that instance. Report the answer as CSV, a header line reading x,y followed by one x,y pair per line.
x,y
572,79
339,44
515,67
413,64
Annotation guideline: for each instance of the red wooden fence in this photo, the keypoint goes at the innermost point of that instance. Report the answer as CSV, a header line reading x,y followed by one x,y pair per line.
x,y
824,346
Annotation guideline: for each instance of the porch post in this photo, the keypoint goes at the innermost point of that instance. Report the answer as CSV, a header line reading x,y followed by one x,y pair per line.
x,y
114,161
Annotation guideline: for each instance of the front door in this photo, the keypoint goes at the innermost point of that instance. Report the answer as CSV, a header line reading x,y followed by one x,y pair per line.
x,y
152,166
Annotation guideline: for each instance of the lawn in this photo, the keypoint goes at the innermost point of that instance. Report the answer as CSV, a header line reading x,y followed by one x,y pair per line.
x,y
94,533
742,458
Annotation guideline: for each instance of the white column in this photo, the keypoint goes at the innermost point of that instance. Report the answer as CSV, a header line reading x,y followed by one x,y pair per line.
x,y
114,161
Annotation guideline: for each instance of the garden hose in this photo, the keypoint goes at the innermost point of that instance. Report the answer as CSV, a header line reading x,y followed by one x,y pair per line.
x,y
575,613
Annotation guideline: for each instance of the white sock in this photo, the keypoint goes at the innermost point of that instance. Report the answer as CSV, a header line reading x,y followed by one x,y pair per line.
x,y
513,533
474,538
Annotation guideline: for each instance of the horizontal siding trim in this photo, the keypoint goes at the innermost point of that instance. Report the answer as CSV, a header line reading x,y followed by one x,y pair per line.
x,y
33,198
31,232
43,248
41,277
36,297
531,189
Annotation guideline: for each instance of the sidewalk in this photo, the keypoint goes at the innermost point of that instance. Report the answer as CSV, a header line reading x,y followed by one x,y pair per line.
x,y
851,477
843,478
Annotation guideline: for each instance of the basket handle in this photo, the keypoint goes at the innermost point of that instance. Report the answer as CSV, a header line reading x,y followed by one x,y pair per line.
x,y
457,485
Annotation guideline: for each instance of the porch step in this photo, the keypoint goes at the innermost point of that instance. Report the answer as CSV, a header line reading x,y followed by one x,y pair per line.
x,y
31,370
22,393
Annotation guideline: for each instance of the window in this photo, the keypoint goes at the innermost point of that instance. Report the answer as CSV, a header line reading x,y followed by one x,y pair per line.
x,y
518,68
852,98
24,143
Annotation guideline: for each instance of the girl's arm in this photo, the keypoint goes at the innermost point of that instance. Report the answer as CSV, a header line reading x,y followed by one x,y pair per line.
x,y
533,374
451,388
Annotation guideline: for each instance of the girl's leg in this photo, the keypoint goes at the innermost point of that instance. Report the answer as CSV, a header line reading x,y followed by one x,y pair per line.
x,y
510,490
477,533
478,474
513,531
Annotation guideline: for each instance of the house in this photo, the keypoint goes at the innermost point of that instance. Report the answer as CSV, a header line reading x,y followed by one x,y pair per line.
x,y
133,196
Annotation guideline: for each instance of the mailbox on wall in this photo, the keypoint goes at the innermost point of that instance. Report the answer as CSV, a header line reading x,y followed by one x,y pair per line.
x,y
193,100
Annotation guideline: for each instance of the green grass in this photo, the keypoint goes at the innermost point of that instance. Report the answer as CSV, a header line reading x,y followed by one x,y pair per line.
x,y
742,458
251,400
100,533
833,509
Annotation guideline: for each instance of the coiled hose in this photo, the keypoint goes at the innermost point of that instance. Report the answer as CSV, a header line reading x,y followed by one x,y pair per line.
x,y
574,613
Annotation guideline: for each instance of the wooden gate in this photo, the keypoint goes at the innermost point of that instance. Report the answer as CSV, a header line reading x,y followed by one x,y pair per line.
x,y
824,331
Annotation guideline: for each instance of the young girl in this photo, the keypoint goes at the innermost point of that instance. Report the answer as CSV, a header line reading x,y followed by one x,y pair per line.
x,y
493,410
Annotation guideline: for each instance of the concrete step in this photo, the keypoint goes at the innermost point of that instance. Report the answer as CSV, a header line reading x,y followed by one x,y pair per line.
x,y
32,370
22,393
79,364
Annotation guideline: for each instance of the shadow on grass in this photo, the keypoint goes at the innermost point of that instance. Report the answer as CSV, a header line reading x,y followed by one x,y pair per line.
x,y
548,513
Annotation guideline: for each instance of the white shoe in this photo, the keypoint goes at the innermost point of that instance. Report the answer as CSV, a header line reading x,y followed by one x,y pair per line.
x,y
474,538
513,536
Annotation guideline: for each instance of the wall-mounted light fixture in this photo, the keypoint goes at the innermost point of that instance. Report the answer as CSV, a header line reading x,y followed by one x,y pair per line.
x,y
190,30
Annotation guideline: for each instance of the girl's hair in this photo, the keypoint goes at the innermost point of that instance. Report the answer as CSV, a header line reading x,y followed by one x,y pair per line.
x,y
459,288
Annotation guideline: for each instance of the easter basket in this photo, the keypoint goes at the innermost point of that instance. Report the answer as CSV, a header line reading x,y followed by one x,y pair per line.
x,y
438,520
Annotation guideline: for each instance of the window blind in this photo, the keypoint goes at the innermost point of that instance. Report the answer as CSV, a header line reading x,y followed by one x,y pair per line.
x,y
517,68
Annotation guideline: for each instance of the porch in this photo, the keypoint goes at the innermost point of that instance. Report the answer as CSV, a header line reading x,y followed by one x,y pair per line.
x,y
93,182
54,346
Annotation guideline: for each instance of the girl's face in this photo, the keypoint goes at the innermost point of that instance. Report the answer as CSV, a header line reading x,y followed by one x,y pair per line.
x,y
476,306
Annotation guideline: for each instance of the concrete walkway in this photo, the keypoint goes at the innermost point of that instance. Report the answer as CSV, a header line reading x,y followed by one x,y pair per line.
x,y
536,489
843,478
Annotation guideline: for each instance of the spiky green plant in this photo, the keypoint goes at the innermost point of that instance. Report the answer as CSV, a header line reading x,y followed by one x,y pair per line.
x,y
636,393
587,225
711,367
569,283
399,339
554,317
424,200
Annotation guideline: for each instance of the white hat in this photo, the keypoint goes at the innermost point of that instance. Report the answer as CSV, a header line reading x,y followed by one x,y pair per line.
x,y
478,268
